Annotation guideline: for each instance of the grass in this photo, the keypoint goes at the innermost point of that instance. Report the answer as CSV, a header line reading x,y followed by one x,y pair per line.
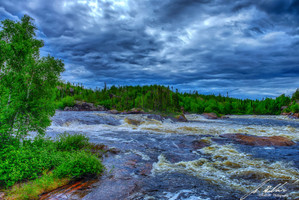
x,y
32,189
23,166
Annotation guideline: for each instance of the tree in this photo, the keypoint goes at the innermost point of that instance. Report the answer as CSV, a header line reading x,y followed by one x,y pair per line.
x,y
27,82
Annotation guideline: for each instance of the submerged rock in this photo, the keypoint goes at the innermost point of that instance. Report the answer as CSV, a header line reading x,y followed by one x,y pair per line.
x,y
259,140
210,115
198,144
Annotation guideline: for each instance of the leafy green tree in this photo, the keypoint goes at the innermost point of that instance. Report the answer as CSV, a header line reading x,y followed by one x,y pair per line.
x,y
295,96
27,82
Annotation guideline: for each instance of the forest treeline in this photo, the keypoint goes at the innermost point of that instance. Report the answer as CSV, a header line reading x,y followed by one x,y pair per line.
x,y
157,98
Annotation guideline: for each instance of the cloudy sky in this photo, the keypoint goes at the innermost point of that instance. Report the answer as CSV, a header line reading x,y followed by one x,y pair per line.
x,y
247,48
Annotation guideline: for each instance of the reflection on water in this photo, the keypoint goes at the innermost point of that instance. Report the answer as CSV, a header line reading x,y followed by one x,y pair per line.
x,y
163,159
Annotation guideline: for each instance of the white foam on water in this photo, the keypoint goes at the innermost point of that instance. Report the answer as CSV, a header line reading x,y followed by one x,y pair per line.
x,y
174,196
229,167
199,126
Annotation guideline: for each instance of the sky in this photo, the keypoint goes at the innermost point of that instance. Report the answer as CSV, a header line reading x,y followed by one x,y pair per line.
x,y
246,48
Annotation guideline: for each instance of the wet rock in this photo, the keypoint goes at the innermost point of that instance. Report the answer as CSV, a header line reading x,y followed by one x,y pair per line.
x,y
133,121
114,150
134,111
224,117
284,113
146,169
155,117
114,189
210,115
181,118
161,118
76,189
259,140
113,112
291,115
198,144
131,163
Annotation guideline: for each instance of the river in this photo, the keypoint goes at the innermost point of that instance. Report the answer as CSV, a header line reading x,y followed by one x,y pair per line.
x,y
162,159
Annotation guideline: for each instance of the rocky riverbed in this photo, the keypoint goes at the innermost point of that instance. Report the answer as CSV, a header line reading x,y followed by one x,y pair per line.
x,y
158,158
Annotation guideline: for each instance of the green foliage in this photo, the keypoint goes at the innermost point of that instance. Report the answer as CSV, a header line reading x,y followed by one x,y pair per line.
x,y
68,101
295,96
294,108
79,164
67,142
156,98
30,159
27,82
32,189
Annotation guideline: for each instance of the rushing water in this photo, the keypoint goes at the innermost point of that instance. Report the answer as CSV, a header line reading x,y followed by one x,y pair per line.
x,y
162,159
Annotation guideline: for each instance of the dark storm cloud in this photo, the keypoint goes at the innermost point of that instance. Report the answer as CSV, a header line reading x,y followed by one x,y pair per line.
x,y
247,48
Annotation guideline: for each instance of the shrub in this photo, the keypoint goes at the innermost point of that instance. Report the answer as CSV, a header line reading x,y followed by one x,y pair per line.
x,y
29,159
23,163
59,105
295,108
79,164
68,142
68,101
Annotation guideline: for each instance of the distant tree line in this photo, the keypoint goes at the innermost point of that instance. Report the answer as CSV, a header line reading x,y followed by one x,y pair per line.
x,y
159,98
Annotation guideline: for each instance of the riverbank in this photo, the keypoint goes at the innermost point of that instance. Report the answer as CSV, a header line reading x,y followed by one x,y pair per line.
x,y
36,166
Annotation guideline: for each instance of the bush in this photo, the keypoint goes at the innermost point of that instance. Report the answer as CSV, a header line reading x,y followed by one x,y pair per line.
x,y
67,142
29,159
68,101
59,105
79,164
24,163
295,108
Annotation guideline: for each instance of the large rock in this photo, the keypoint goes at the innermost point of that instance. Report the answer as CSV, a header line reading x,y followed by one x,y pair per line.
x,y
133,121
134,111
198,144
181,118
210,115
291,115
259,140
113,112
83,106
156,117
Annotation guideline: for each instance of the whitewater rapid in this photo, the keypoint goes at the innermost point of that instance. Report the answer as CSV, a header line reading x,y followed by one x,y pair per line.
x,y
165,164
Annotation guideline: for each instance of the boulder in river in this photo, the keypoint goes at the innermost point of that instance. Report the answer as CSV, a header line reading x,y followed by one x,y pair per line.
x,y
134,111
133,121
113,111
259,140
210,115
181,118
83,106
